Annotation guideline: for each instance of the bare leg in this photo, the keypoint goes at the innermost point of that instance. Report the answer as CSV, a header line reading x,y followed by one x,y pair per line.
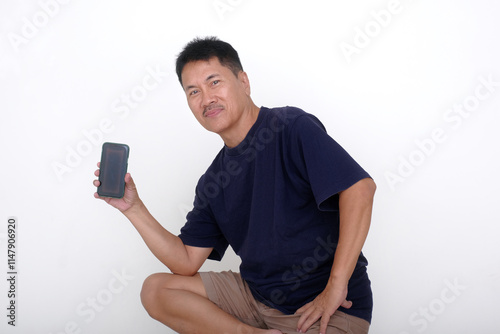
x,y
181,303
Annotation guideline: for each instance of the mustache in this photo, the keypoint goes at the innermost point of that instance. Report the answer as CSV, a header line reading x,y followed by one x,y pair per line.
x,y
212,106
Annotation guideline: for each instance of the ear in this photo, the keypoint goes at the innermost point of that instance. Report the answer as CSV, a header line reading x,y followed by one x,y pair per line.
x,y
243,78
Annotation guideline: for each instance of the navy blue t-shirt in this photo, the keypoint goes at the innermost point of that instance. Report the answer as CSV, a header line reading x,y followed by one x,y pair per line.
x,y
274,199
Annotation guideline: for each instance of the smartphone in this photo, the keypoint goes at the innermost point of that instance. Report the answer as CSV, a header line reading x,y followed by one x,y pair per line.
x,y
114,162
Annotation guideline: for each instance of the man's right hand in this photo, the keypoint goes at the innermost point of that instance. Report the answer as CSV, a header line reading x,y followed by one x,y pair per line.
x,y
129,200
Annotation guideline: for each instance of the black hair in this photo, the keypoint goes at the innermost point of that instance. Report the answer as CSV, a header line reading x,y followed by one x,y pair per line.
x,y
205,49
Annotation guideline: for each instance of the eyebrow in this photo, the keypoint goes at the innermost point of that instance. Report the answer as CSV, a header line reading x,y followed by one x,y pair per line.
x,y
210,77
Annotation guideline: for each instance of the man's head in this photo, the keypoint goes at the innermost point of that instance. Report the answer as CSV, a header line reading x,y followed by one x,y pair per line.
x,y
206,49
217,89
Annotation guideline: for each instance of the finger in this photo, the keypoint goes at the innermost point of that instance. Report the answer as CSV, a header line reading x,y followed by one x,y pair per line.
x,y
128,179
303,309
129,182
97,183
309,322
304,314
99,164
97,172
346,304
307,319
325,319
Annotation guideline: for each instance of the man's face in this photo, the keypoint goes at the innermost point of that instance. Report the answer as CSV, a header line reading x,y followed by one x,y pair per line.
x,y
215,95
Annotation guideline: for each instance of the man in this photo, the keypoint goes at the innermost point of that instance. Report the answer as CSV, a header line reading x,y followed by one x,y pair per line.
x,y
288,199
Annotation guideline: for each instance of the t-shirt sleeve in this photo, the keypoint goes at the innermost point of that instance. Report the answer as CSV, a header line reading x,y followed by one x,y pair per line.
x,y
327,167
201,229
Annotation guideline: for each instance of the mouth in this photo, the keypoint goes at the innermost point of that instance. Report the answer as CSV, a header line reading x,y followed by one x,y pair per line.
x,y
212,110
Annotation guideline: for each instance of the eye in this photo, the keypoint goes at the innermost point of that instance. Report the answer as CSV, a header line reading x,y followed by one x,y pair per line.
x,y
193,92
215,82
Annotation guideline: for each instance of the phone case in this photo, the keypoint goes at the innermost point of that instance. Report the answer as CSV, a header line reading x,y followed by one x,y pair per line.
x,y
114,163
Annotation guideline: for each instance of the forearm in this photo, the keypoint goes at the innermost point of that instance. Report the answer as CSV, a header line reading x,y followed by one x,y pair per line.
x,y
167,247
355,210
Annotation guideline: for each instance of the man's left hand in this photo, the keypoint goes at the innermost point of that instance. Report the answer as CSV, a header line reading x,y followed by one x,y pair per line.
x,y
323,306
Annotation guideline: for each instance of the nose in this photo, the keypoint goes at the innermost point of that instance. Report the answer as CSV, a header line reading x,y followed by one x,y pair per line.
x,y
208,99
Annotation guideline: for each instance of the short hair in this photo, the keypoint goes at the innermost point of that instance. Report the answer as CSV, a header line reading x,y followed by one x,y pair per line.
x,y
205,49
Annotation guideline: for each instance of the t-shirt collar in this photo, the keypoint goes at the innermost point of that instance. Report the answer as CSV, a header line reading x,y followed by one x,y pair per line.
x,y
243,146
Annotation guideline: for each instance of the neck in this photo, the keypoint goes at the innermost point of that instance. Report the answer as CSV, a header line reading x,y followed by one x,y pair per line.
x,y
238,134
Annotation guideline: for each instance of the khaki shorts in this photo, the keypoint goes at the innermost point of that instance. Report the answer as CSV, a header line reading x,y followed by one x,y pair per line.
x,y
231,293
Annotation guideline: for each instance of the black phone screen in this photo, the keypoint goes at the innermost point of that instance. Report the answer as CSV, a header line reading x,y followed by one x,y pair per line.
x,y
114,161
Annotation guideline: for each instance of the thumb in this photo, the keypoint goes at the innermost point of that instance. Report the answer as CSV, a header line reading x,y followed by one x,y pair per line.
x,y
346,304
131,194
129,182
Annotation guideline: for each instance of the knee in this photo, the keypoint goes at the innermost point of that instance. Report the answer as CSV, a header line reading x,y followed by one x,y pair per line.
x,y
151,289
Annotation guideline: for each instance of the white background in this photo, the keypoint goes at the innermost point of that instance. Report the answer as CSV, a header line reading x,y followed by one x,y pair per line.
x,y
66,66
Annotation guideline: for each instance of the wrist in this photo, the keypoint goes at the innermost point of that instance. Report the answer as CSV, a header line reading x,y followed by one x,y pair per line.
x,y
135,209
338,280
